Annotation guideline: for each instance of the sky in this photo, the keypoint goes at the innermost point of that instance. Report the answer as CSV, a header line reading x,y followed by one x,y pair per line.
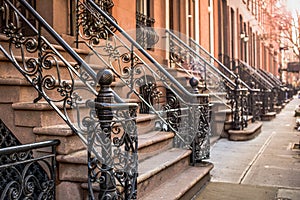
x,y
293,4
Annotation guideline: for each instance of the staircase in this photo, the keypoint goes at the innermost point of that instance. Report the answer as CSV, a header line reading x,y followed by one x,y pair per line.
x,y
49,94
234,104
268,96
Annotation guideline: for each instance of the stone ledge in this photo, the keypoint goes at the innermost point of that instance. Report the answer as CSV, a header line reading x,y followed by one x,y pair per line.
x,y
268,117
278,109
247,134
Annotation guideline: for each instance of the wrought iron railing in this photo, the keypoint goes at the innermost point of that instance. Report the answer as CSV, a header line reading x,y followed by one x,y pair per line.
x,y
277,86
27,171
107,128
251,76
194,59
134,66
70,87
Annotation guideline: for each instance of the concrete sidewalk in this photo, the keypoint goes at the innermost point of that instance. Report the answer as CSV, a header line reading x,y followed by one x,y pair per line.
x,y
266,167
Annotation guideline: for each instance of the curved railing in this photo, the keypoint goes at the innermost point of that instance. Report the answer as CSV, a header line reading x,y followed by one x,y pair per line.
x,y
26,174
215,62
221,79
70,88
115,49
277,86
253,77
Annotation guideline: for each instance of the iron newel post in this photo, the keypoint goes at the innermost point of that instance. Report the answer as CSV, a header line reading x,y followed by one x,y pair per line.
x,y
236,115
105,115
200,143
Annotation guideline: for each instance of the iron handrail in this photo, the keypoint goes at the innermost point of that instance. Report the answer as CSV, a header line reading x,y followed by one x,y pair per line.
x,y
65,45
196,102
27,147
261,72
144,52
270,77
79,132
202,59
221,64
259,77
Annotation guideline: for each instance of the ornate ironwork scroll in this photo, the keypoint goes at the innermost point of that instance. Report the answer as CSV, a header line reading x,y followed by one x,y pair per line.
x,y
139,72
25,175
251,76
189,119
93,28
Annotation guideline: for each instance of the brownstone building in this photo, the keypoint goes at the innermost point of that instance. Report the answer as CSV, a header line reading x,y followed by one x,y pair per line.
x,y
135,90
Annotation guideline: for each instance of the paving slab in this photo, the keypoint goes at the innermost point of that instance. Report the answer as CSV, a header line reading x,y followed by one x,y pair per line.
x,y
288,194
229,191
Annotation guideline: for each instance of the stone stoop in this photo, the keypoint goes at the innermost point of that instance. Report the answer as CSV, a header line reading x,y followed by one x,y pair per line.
x,y
73,171
278,109
158,161
268,116
248,133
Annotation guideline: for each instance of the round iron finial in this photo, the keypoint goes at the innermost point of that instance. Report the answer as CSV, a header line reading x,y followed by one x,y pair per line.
x,y
105,77
194,82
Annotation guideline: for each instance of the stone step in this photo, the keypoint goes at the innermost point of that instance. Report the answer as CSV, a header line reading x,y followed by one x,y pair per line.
x,y
146,123
228,126
69,141
147,146
73,167
41,114
183,185
248,133
156,170
149,143
153,143
16,90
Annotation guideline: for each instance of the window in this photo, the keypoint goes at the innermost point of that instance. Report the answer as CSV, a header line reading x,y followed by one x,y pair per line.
x,y
145,34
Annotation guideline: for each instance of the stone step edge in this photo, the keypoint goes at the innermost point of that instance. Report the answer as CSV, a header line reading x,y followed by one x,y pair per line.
x,y
268,116
43,105
157,169
182,183
72,158
247,134
162,156
173,189
153,137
